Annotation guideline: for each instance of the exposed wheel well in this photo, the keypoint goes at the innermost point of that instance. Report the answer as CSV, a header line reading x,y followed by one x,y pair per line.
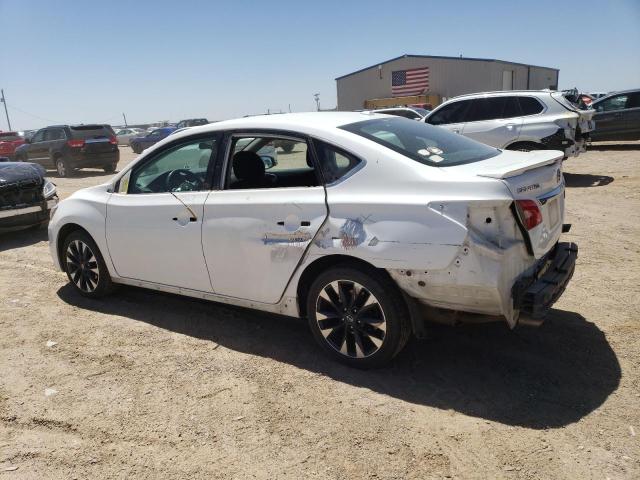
x,y
321,264
64,232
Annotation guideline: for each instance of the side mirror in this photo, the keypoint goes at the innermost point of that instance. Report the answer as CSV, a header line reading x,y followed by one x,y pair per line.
x,y
269,162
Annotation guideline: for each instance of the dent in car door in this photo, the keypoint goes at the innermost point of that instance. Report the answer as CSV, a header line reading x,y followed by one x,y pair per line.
x,y
254,239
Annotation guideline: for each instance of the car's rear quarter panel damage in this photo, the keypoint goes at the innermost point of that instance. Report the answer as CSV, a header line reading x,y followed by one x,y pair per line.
x,y
459,255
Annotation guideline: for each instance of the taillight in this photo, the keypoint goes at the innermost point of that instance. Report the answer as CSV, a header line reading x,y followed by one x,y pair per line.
x,y
75,143
113,140
529,212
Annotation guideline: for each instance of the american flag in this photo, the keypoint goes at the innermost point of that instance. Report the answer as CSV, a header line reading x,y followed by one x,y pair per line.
x,y
409,82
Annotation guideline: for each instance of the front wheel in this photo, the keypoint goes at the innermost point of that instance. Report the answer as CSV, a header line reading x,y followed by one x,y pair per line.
x,y
110,168
357,316
85,265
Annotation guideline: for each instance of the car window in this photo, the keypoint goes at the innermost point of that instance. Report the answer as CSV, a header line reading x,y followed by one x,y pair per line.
x,y
618,102
180,168
491,108
451,113
634,100
422,142
335,163
530,105
269,162
39,136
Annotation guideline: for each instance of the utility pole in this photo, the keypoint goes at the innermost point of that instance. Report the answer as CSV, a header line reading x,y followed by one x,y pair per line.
x,y
316,96
125,119
6,112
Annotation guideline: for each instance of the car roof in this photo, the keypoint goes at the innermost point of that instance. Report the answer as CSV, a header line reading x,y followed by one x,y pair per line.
x,y
309,123
505,92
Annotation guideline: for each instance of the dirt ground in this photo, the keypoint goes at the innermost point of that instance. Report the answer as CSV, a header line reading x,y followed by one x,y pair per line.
x,y
149,385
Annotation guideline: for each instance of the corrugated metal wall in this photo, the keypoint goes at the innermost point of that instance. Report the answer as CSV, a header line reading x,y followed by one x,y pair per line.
x,y
448,78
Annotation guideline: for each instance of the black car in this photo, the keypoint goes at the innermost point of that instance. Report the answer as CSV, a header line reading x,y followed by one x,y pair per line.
x,y
26,197
617,116
69,147
192,122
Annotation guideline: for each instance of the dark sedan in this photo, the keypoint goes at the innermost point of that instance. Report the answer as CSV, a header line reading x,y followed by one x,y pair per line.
x,y
617,116
138,144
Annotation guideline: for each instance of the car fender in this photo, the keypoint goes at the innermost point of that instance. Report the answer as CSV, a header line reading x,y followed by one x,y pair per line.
x,y
86,208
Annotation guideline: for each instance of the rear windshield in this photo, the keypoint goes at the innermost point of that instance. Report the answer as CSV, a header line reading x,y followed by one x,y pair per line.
x,y
86,131
422,142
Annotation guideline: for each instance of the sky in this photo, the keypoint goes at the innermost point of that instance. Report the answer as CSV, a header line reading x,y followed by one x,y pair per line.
x,y
84,62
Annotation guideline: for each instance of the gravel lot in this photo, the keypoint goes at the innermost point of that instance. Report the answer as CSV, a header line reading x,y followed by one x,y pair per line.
x,y
151,385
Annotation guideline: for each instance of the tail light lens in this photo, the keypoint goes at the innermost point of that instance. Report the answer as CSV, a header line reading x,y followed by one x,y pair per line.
x,y
113,140
529,212
75,143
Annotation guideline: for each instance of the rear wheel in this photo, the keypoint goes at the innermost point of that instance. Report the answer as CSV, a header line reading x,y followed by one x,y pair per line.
x,y
85,265
358,316
62,167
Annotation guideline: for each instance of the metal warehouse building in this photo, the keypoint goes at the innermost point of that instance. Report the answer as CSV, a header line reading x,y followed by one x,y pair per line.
x,y
438,78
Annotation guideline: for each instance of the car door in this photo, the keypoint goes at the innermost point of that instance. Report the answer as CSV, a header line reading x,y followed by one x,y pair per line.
x,y
611,118
450,115
494,121
632,114
259,224
154,219
38,151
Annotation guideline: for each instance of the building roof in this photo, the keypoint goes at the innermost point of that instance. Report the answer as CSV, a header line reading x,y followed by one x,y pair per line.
x,y
406,55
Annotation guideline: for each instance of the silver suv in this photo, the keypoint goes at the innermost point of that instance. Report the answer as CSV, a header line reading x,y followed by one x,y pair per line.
x,y
517,120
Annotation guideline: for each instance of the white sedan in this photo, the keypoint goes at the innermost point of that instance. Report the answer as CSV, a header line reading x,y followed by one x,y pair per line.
x,y
124,135
368,226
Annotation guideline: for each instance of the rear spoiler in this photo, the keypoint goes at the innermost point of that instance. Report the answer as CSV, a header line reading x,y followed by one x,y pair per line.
x,y
534,160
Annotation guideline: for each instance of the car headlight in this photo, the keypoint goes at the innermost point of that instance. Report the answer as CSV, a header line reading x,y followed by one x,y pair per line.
x,y
49,189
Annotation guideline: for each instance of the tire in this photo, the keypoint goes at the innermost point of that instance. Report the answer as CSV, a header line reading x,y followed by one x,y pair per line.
x,y
62,167
525,146
349,336
84,265
288,146
134,147
110,168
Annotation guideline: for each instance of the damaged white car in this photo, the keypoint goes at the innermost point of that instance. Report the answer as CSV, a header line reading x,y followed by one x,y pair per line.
x,y
367,226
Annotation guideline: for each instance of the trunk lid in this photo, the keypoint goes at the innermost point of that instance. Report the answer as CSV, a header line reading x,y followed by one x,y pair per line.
x,y
96,138
529,176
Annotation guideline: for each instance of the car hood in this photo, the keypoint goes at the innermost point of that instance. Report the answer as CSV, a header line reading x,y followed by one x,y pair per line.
x,y
20,173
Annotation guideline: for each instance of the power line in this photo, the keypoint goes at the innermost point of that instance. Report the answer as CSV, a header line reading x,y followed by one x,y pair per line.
x,y
13,107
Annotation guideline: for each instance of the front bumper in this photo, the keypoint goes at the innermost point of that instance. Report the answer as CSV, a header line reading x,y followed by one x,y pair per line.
x,y
27,216
535,295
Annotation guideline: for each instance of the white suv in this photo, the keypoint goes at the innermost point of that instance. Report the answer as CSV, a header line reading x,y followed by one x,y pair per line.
x,y
517,120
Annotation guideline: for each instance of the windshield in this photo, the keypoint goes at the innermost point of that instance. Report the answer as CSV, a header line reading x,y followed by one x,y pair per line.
x,y
422,142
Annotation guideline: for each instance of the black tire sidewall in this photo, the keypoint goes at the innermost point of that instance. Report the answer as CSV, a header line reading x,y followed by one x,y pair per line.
x,y
104,281
390,300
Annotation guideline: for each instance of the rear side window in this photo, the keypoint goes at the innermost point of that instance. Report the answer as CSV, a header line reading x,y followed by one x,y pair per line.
x,y
491,108
634,100
335,163
530,106
421,142
451,113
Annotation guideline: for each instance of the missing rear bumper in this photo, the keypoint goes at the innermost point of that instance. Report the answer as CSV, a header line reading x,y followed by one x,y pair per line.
x,y
534,296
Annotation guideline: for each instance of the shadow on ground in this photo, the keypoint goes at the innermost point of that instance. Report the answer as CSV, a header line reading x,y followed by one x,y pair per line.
x,y
582,180
537,378
83,174
615,146
22,237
